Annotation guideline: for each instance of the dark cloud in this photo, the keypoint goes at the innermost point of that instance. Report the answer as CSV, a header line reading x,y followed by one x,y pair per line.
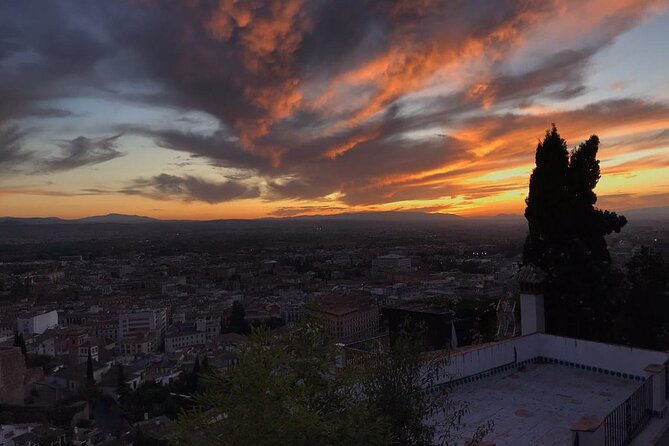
x,y
82,151
48,192
364,164
11,151
47,52
258,74
310,96
221,148
189,188
50,112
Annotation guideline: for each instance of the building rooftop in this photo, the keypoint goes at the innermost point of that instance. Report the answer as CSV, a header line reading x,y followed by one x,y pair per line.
x,y
538,404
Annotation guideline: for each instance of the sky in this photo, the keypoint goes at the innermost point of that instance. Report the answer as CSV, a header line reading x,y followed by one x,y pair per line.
x,y
203,109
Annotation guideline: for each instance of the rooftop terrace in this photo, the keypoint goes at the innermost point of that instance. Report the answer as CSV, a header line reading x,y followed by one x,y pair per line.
x,y
537,404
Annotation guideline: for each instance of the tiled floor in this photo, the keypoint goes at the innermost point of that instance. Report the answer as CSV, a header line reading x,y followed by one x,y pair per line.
x,y
537,405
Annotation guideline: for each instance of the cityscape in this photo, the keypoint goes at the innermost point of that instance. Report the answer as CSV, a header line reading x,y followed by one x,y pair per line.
x,y
315,222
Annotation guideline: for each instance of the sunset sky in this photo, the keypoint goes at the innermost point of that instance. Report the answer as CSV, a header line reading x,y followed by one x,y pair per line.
x,y
201,109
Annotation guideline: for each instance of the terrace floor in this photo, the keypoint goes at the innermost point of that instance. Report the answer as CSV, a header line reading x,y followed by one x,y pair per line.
x,y
537,405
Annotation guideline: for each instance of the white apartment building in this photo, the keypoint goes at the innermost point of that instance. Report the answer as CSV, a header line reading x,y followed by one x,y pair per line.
x,y
139,322
36,323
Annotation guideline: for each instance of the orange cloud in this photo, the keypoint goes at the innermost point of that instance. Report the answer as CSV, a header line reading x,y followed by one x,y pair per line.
x,y
410,64
269,35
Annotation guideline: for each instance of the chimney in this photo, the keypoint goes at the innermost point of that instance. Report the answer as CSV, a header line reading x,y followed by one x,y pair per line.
x,y
531,280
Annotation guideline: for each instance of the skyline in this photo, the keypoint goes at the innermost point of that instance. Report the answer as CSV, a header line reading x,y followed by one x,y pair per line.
x,y
205,110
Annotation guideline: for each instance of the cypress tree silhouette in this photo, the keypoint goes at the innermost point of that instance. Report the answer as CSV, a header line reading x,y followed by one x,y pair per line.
x,y
238,322
546,210
196,366
22,343
122,387
90,377
567,235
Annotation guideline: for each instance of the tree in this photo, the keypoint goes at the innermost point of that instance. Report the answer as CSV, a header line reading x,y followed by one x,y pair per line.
x,y
156,399
281,392
644,313
238,322
90,377
46,362
393,383
122,387
567,236
19,341
284,390
546,210
196,366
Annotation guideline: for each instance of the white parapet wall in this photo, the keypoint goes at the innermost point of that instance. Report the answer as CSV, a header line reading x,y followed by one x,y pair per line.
x,y
626,362
486,357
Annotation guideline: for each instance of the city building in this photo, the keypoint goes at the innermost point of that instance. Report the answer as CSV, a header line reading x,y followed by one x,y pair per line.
x,y
36,323
441,328
138,344
391,263
180,336
348,321
131,323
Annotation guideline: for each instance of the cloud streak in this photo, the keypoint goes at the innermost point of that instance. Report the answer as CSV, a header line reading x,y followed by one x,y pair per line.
x,y
189,188
82,151
11,151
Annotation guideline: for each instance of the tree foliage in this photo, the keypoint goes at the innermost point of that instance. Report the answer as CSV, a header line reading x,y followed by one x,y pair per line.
x,y
281,392
46,362
394,384
567,236
122,387
90,377
238,323
644,311
285,390
156,399
19,341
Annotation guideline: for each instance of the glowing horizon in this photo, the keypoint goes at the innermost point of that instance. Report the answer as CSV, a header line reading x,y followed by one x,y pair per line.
x,y
235,109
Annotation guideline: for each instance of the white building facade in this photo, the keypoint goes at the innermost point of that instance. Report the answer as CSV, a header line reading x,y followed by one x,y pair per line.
x,y
139,322
37,323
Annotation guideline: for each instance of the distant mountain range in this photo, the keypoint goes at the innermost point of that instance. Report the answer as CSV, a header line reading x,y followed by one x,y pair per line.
x,y
641,214
109,218
656,213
